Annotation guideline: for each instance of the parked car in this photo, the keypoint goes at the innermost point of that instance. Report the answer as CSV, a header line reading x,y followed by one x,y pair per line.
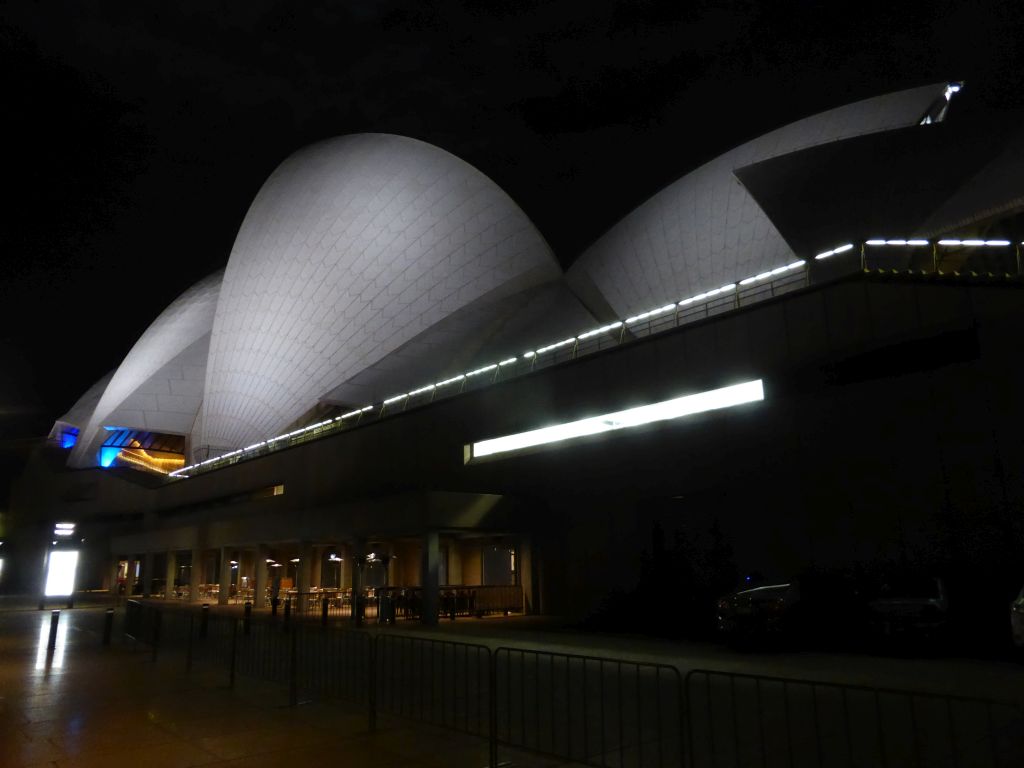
x,y
1017,619
909,605
764,610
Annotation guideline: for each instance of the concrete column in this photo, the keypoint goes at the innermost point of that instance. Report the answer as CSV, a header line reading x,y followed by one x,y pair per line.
x,y
115,566
316,566
170,573
147,574
224,587
356,561
430,572
197,573
525,575
259,587
304,571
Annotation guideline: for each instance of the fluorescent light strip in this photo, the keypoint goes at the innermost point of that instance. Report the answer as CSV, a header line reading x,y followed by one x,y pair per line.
x,y
836,250
975,243
478,371
556,345
649,313
725,397
598,331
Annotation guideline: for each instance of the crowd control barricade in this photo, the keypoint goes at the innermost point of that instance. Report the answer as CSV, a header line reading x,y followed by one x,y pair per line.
x,y
606,712
751,720
440,682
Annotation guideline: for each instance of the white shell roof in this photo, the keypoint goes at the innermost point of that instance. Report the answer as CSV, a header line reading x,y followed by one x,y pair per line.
x,y
353,247
157,386
705,230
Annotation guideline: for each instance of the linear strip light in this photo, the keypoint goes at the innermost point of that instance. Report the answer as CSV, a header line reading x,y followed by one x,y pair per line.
x,y
725,397
975,243
834,251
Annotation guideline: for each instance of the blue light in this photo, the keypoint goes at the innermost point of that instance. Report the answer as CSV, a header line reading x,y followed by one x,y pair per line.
x,y
108,454
68,439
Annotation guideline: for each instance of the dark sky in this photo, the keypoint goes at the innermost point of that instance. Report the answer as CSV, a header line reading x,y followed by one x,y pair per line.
x,y
136,134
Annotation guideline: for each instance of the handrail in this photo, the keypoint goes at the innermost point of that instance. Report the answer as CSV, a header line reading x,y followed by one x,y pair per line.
x,y
726,298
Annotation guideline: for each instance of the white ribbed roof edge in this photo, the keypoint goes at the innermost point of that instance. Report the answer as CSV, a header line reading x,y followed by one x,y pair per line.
x,y
706,229
185,321
352,247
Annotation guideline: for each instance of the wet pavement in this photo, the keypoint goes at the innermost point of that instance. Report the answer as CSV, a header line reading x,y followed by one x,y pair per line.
x,y
83,704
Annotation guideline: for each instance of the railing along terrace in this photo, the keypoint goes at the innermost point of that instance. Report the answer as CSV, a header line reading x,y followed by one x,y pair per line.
x,y
387,604
912,257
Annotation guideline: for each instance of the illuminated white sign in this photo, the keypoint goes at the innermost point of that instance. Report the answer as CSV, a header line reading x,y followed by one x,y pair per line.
x,y
726,397
60,573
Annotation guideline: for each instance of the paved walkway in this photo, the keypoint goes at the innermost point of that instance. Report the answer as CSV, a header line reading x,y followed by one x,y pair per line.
x,y
87,705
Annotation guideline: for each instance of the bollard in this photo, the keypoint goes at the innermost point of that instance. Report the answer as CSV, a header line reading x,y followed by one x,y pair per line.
x,y
287,612
54,621
273,607
323,611
247,618
204,619
108,626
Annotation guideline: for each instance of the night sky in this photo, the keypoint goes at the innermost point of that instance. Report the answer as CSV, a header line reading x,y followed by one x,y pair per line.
x,y
137,134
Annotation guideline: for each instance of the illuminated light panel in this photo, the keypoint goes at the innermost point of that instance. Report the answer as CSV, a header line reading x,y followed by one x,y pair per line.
x,y
645,315
452,380
60,573
142,458
107,455
840,249
485,369
549,347
598,331
394,399
688,405
509,361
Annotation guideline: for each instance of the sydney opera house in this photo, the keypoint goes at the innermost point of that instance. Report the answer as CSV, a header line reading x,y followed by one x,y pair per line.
x,y
804,353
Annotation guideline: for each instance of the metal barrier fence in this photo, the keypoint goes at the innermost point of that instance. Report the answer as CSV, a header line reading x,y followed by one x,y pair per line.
x,y
389,603
592,710
439,682
738,720
589,710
